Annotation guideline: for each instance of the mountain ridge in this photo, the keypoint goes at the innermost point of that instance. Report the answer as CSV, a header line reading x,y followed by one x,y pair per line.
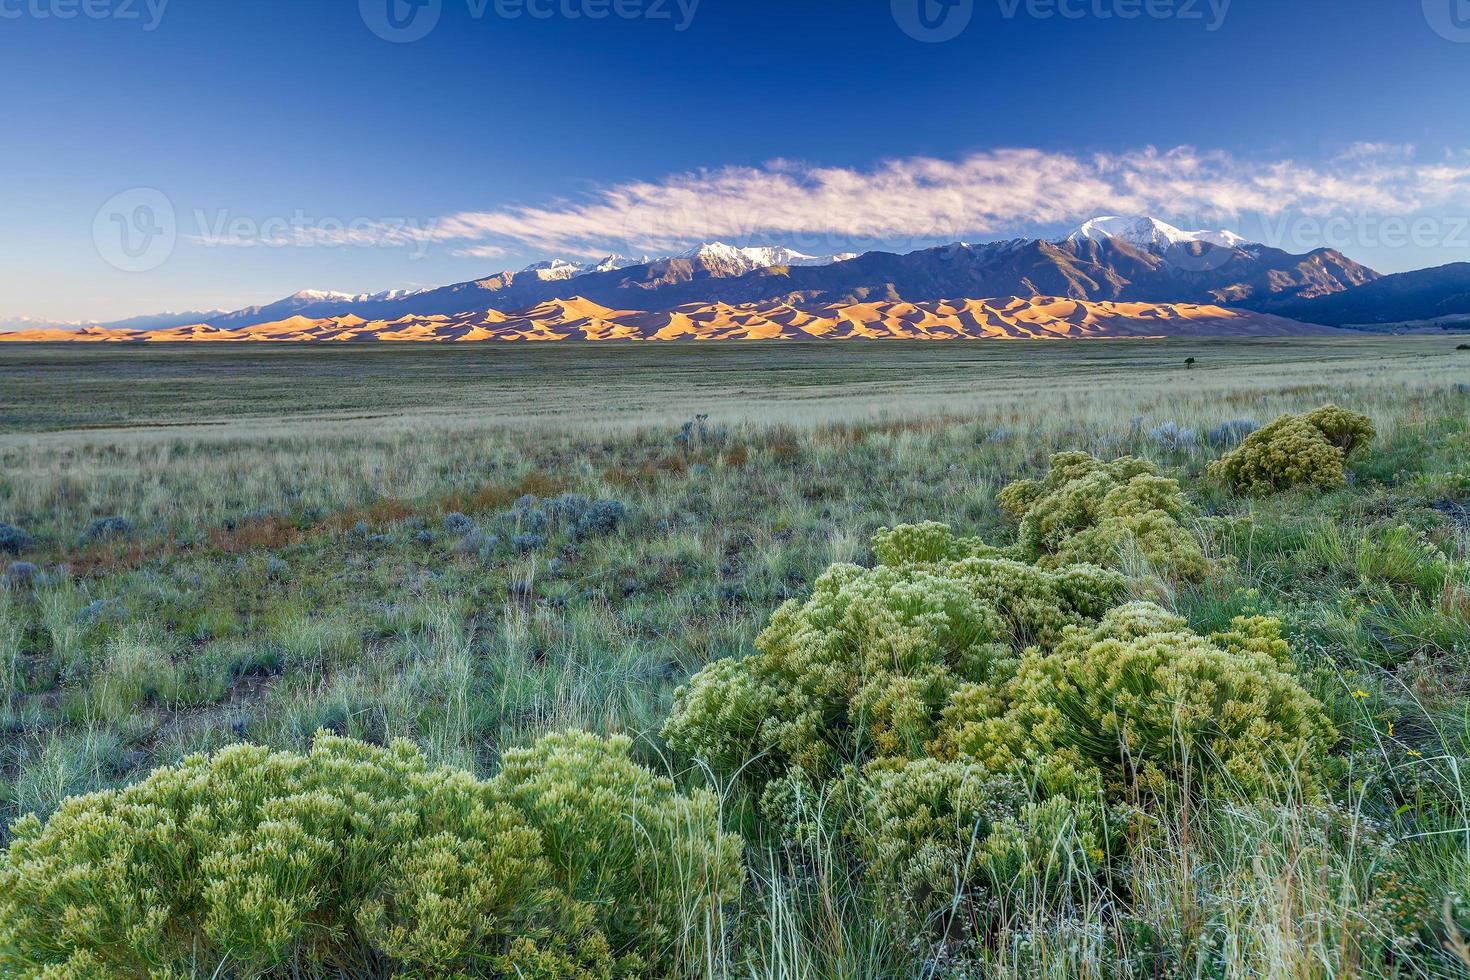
x,y
1107,259
1440,292
1082,267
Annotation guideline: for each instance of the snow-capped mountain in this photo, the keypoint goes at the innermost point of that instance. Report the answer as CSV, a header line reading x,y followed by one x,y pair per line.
x,y
752,257
557,270
553,270
1107,259
309,296
1150,233
729,259
313,302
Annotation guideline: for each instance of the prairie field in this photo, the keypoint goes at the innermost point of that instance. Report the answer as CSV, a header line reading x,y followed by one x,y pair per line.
x,y
471,550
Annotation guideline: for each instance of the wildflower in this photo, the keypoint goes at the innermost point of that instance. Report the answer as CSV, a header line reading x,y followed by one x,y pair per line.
x,y
1360,694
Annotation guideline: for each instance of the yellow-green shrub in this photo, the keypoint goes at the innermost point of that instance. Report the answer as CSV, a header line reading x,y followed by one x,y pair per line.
x,y
936,836
1086,510
928,542
615,832
1295,451
1022,781
252,862
1346,430
865,666
1147,702
976,719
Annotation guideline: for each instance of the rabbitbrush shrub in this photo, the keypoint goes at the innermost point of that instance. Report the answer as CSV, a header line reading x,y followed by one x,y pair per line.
x,y
975,723
574,862
1308,450
1146,702
1086,510
938,838
866,665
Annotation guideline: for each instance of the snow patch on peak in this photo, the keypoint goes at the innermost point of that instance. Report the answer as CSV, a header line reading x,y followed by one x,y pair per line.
x,y
318,295
754,257
614,262
556,270
553,270
1149,233
306,296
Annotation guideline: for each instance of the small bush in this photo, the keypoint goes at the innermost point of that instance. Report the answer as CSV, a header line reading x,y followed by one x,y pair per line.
x,y
19,575
276,864
524,543
929,542
615,832
602,517
14,540
102,612
474,544
972,726
1308,450
1145,700
1346,430
105,529
939,837
1088,511
566,510
866,666
1173,437
459,525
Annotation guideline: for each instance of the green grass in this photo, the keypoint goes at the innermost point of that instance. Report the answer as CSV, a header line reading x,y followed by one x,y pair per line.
x,y
250,605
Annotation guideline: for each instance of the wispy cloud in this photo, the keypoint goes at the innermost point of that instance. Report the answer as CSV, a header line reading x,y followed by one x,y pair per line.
x,y
917,199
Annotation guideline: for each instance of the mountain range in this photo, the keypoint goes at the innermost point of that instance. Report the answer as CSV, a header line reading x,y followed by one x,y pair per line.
x,y
1110,259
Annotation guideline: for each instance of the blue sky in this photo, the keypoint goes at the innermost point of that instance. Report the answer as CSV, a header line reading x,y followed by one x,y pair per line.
x,y
285,145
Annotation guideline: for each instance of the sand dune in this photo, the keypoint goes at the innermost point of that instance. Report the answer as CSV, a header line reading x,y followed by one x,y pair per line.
x,y
578,319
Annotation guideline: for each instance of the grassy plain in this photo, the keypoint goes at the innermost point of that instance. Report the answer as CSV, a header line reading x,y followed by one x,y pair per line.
x,y
290,569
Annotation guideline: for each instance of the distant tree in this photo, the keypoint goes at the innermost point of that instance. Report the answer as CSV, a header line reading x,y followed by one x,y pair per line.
x,y
1189,363
1463,347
